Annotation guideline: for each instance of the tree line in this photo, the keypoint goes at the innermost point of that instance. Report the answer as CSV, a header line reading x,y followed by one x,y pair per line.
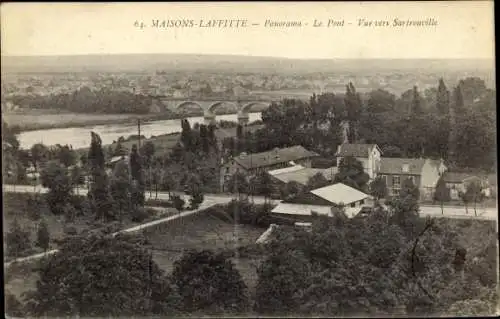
x,y
457,125
389,262
85,100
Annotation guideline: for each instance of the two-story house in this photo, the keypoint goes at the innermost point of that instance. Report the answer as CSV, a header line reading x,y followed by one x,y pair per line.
x,y
255,163
368,154
424,173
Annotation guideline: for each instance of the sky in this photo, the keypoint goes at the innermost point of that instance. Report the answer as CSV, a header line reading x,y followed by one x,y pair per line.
x,y
464,30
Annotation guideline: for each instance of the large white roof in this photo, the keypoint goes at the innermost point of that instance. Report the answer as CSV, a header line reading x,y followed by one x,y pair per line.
x,y
340,193
301,209
286,170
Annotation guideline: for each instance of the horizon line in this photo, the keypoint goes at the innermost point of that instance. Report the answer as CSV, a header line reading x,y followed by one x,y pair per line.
x,y
243,55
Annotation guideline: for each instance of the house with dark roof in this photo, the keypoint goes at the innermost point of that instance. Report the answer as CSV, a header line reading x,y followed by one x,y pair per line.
x,y
368,154
252,164
424,173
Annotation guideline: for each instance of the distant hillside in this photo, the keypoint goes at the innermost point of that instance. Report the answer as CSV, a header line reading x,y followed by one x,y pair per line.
x,y
226,63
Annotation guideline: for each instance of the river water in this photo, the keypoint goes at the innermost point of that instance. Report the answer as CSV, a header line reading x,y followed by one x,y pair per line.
x,y
79,137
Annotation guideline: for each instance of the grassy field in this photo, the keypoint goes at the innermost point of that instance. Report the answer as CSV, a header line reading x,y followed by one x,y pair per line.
x,y
203,231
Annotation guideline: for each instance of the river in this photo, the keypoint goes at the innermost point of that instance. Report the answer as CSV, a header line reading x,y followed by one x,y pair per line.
x,y
79,137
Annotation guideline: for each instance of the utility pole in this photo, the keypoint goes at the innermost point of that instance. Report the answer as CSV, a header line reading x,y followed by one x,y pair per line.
x,y
139,132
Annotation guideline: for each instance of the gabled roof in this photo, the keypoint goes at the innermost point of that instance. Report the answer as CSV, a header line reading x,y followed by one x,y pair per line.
x,y
454,177
303,174
276,156
340,193
390,165
355,150
301,209
285,170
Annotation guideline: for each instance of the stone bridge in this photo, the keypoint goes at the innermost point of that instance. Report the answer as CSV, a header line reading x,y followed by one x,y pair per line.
x,y
209,106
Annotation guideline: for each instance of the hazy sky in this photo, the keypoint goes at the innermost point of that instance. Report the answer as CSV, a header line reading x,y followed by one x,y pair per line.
x,y
465,29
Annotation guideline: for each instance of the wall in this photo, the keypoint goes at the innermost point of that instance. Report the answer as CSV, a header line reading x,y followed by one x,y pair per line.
x,y
402,178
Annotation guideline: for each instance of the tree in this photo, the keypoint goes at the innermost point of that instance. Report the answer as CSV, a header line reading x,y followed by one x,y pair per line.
x,y
133,283
138,197
148,150
95,156
57,178
39,153
77,177
351,173
409,189
474,192
378,188
442,193
208,282
458,104
291,190
318,180
17,239
264,184
443,98
237,184
178,202
43,236
120,187
465,197
282,277
66,156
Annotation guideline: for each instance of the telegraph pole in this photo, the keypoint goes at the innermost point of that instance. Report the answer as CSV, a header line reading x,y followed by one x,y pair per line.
x,y
139,132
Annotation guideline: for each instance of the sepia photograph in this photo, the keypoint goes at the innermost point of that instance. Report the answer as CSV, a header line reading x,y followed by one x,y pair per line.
x,y
249,159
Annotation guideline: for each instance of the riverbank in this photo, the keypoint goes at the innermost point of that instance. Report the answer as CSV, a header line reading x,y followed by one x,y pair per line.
x,y
34,120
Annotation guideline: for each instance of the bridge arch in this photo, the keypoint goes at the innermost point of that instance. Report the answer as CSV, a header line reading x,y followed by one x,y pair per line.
x,y
186,103
214,106
246,108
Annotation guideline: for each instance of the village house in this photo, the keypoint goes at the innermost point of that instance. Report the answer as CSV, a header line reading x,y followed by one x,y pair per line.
x,y
424,173
458,182
322,200
252,164
368,154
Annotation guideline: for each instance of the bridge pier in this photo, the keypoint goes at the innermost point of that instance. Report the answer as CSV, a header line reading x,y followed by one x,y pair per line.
x,y
243,117
209,118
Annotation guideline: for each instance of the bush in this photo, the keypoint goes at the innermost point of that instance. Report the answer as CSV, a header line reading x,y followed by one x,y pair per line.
x,y
159,203
17,240
70,230
139,214
248,213
209,282
13,307
178,202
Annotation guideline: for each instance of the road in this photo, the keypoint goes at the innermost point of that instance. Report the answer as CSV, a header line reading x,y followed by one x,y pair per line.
x,y
489,213
209,199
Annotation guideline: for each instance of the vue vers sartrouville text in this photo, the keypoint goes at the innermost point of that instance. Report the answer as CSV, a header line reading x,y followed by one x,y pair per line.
x,y
243,23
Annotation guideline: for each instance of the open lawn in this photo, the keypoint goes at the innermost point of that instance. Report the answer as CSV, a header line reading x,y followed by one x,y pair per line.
x,y
203,231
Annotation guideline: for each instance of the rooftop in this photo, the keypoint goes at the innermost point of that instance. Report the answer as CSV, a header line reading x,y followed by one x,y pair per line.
x,y
302,174
340,193
454,177
390,165
276,156
355,150
301,209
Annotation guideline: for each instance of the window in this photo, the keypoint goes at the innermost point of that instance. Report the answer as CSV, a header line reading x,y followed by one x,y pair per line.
x,y
395,192
362,202
384,178
353,204
396,182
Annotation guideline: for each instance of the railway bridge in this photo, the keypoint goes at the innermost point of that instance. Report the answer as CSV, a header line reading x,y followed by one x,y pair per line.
x,y
209,106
